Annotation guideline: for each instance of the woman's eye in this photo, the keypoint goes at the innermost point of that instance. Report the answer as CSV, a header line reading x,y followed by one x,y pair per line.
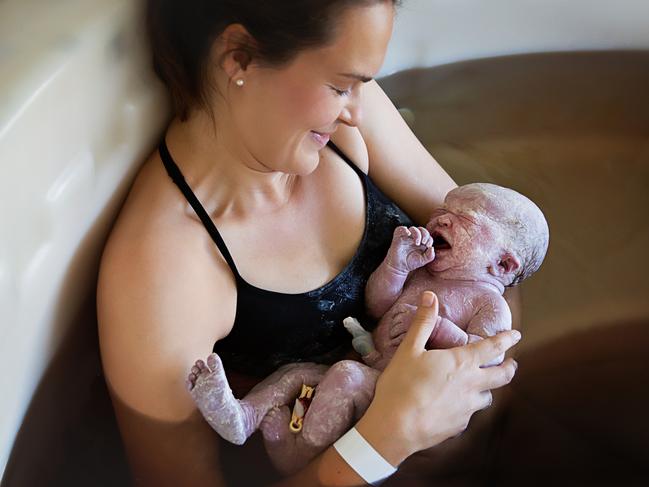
x,y
341,92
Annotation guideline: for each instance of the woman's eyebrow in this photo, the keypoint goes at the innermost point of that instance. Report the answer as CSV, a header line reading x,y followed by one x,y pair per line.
x,y
360,77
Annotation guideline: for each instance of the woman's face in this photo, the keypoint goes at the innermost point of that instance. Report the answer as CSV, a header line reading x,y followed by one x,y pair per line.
x,y
284,116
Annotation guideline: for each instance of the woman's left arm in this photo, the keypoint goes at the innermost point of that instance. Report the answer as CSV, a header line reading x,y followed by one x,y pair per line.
x,y
404,170
398,163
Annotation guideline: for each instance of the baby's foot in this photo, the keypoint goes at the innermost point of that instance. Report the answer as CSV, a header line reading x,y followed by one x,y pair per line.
x,y
208,386
198,370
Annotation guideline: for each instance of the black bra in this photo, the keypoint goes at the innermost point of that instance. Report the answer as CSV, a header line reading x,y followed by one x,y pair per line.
x,y
271,328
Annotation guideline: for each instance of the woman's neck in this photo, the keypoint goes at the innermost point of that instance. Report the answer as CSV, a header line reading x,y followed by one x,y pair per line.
x,y
223,174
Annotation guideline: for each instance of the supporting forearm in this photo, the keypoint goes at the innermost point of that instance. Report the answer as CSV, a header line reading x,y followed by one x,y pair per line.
x,y
329,469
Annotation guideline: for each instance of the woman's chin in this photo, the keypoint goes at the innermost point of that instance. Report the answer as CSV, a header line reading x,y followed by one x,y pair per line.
x,y
306,166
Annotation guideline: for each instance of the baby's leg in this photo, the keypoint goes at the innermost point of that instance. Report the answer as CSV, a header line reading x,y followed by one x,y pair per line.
x,y
341,398
235,420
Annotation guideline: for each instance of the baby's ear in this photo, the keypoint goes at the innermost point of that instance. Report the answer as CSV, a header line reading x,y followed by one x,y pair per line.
x,y
507,264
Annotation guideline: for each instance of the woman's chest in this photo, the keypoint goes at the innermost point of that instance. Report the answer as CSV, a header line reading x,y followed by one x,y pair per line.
x,y
306,243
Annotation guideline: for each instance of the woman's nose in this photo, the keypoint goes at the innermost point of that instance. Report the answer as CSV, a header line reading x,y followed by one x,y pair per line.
x,y
351,113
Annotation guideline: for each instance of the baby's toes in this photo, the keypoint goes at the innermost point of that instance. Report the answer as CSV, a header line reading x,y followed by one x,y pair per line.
x,y
190,383
214,362
196,370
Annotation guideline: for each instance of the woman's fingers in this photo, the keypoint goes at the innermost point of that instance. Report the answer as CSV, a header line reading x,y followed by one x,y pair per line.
x,y
422,324
484,401
500,375
488,349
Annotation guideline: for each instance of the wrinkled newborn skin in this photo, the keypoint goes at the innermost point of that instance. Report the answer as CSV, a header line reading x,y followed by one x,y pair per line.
x,y
481,240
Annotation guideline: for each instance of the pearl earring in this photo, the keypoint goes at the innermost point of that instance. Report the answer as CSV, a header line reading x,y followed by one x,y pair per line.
x,y
239,82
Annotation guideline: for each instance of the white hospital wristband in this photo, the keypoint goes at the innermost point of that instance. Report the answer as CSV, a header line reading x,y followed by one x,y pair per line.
x,y
364,459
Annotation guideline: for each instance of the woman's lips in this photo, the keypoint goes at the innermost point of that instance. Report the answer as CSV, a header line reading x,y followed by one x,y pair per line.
x,y
320,139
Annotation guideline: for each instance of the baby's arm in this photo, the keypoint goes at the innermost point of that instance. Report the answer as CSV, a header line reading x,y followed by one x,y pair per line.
x,y
392,328
411,249
492,317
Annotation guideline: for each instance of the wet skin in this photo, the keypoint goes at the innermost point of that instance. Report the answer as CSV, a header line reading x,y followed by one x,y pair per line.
x,y
463,255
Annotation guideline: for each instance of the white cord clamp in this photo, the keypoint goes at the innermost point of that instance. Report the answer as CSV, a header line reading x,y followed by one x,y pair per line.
x,y
364,459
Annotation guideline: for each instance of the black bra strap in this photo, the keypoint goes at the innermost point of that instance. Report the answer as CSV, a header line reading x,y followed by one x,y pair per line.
x,y
177,177
344,157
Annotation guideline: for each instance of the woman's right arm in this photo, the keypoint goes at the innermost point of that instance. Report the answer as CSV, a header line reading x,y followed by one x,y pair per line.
x,y
158,311
422,398
154,321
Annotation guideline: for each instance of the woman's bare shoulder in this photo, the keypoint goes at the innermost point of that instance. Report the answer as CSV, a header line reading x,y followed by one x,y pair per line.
x,y
350,141
164,296
399,163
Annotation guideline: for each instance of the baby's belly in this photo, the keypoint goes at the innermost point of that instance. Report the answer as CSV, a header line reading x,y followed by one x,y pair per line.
x,y
455,304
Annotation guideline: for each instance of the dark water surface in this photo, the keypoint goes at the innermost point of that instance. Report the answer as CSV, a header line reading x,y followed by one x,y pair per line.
x,y
572,132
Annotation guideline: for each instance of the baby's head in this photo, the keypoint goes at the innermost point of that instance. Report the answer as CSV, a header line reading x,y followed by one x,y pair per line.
x,y
487,230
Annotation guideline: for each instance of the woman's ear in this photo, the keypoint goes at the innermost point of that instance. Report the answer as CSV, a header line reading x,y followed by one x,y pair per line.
x,y
233,50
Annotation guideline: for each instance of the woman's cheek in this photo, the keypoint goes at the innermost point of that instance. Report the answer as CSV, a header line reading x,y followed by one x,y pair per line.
x,y
324,110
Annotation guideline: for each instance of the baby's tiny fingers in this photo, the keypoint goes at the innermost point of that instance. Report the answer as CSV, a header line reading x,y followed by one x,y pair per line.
x,y
416,235
396,341
401,231
397,329
425,236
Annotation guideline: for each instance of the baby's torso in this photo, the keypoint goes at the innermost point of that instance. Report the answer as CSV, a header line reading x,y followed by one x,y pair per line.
x,y
459,301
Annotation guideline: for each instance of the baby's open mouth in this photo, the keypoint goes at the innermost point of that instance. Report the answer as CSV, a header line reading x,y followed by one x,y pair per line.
x,y
439,242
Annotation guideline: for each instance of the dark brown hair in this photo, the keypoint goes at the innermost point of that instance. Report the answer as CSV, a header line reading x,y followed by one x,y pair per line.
x,y
181,34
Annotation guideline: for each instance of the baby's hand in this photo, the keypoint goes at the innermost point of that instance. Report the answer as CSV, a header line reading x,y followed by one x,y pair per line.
x,y
392,329
411,249
401,316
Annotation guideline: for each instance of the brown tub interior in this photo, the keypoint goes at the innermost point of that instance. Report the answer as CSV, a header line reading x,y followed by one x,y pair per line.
x,y
569,130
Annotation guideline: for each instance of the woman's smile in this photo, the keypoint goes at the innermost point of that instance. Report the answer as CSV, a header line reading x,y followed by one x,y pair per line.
x,y
320,138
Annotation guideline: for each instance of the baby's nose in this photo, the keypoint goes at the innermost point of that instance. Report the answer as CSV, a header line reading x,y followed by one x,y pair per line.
x,y
444,221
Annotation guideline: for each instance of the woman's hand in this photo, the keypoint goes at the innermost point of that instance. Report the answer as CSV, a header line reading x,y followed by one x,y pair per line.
x,y
427,396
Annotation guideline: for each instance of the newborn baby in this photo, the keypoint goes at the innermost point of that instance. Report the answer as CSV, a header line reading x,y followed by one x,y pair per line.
x,y
483,239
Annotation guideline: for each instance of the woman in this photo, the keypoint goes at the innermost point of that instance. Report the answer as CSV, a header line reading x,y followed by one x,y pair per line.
x,y
258,92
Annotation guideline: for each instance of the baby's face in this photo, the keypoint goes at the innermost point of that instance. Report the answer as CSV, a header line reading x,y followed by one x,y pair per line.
x,y
466,237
